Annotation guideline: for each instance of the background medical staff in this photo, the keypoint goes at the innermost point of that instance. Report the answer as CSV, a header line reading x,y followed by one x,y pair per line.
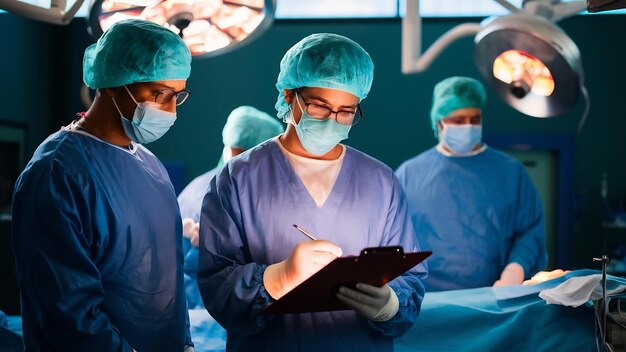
x,y
97,230
245,128
250,253
476,208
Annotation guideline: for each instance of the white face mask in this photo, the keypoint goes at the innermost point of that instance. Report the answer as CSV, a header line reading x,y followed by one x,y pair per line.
x,y
318,137
149,123
460,139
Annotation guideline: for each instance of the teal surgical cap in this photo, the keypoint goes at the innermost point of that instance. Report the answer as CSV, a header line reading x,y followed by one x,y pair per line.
x,y
246,127
135,51
455,93
325,60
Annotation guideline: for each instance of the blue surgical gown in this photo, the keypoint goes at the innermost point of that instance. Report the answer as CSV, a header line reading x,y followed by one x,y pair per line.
x,y
190,202
190,199
476,214
247,224
97,241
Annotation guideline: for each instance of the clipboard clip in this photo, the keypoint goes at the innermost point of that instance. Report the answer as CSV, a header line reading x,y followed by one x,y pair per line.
x,y
382,251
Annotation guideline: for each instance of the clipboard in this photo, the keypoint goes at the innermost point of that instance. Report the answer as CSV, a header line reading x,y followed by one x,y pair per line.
x,y
375,266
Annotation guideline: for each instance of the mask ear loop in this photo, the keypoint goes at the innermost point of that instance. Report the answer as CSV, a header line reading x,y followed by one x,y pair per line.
x,y
292,120
442,140
117,107
131,94
443,130
298,101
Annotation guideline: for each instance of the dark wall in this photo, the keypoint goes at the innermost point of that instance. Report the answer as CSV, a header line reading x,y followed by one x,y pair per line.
x,y
396,126
25,92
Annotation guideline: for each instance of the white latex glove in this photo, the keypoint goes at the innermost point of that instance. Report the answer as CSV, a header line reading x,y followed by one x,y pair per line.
x,y
191,230
307,258
374,303
544,276
513,274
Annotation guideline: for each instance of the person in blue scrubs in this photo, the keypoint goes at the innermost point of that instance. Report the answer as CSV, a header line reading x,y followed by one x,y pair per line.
x,y
475,207
97,231
245,128
250,254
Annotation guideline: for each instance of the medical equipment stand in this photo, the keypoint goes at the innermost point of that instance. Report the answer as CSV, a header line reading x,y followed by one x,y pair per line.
x,y
605,261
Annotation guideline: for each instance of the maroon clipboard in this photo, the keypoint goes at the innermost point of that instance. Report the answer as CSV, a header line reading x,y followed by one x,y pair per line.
x,y
375,266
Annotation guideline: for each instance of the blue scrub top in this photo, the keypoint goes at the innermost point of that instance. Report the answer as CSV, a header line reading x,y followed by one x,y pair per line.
x,y
97,241
190,199
247,224
476,214
190,202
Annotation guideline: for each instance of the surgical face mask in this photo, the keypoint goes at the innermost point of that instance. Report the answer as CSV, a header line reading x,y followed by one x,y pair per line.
x,y
461,139
149,123
318,137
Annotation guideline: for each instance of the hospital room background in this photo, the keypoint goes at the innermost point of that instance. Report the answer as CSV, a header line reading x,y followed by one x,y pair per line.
x,y
40,66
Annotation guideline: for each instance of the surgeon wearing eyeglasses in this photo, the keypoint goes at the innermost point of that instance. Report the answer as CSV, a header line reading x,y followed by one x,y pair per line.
x,y
97,231
250,255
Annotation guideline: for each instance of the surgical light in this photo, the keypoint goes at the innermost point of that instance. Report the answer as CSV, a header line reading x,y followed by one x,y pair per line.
x,y
530,62
526,58
524,73
208,27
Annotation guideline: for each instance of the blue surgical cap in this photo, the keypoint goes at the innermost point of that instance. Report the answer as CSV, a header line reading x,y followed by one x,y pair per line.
x,y
455,93
135,51
246,127
325,60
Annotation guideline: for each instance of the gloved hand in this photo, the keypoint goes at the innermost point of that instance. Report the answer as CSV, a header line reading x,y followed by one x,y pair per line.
x,y
513,274
374,303
544,276
307,258
191,230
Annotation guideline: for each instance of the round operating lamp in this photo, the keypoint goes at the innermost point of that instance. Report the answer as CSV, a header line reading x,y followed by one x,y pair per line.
x,y
530,62
208,27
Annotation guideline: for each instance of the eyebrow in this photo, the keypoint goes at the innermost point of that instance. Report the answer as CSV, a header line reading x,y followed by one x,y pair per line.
x,y
315,97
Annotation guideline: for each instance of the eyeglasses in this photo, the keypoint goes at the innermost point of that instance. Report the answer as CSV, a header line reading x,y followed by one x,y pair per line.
x,y
342,117
163,96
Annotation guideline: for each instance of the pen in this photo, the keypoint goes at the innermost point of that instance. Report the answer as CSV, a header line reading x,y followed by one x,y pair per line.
x,y
305,232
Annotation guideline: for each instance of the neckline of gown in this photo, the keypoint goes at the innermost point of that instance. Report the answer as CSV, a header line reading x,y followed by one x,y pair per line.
x,y
77,129
307,202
